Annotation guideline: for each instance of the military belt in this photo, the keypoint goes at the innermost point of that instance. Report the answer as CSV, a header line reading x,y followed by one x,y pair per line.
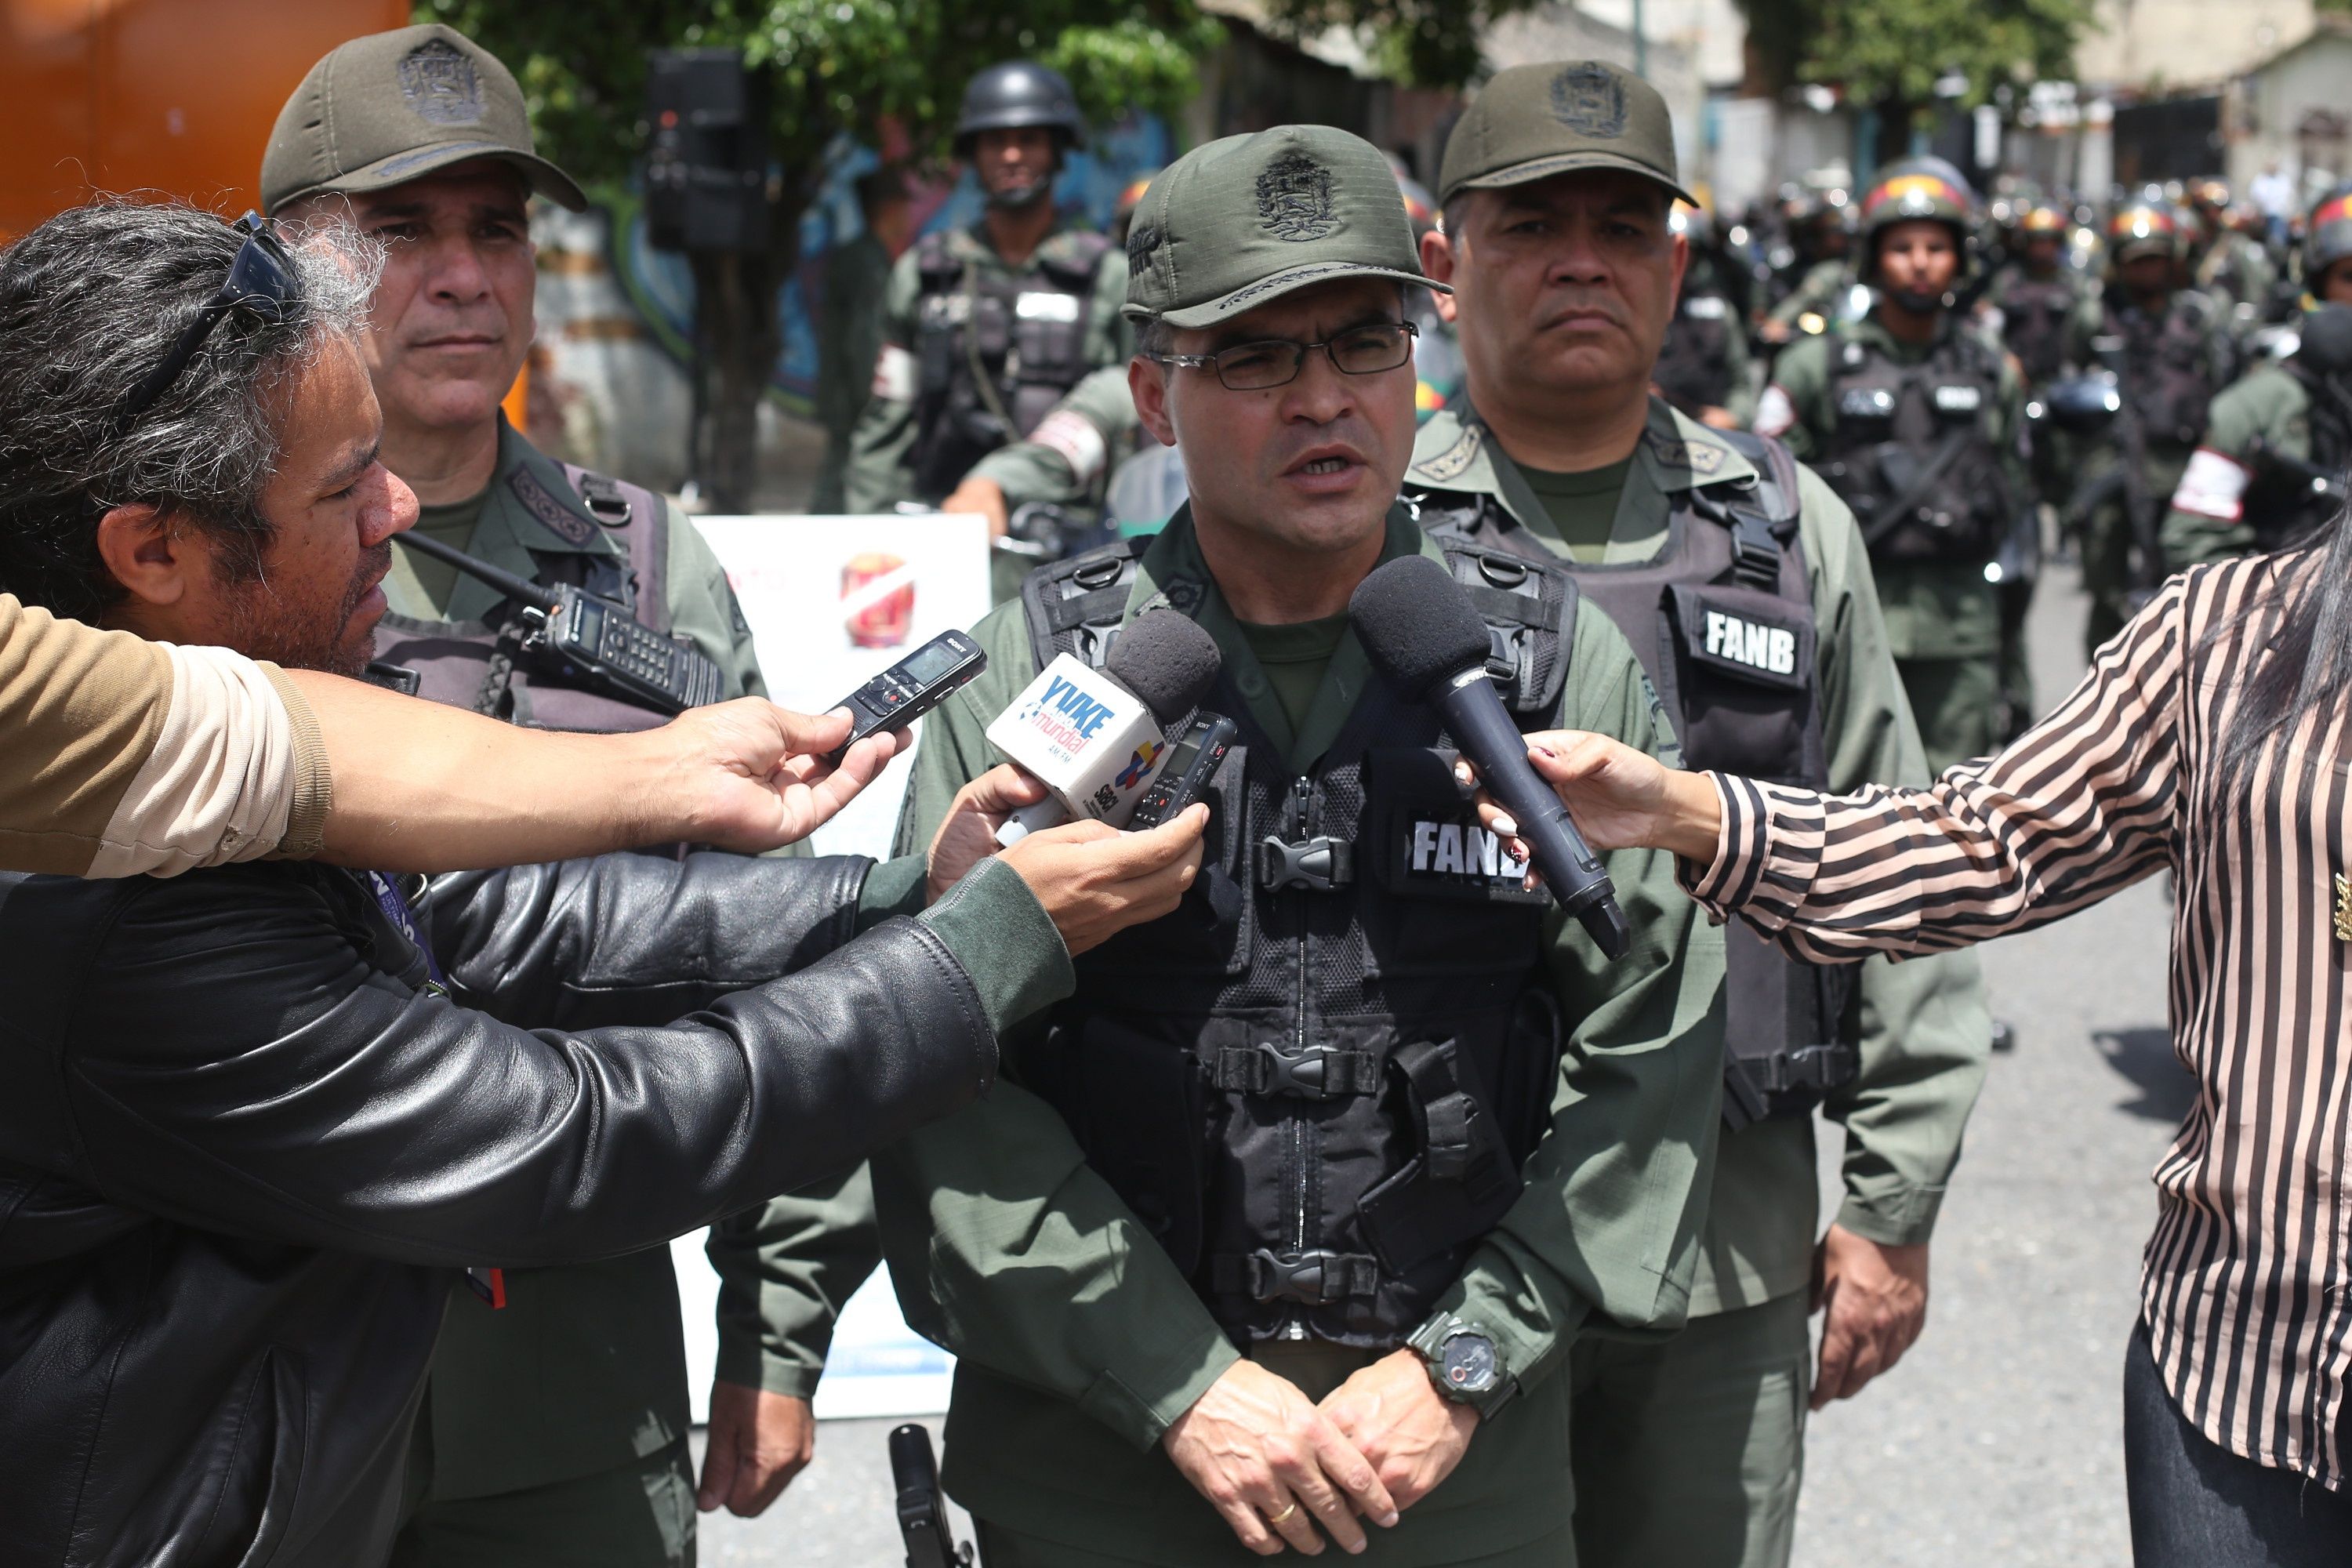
x,y
1318,1072
1309,1278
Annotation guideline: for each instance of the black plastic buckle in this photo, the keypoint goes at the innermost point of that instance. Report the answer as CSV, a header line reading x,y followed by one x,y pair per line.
x,y
602,497
1321,864
1317,1072
1309,1279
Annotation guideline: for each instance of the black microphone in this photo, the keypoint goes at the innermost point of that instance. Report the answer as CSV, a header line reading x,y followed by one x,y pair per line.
x,y
1426,638
1168,661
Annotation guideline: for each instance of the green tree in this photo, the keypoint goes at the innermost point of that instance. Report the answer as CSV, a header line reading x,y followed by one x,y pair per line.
x,y
833,65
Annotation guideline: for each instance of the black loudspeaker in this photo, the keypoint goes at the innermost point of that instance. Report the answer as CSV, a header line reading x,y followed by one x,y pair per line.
x,y
707,151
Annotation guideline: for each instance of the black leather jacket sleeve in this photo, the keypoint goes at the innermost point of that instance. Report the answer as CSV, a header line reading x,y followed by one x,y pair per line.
x,y
635,938
241,1059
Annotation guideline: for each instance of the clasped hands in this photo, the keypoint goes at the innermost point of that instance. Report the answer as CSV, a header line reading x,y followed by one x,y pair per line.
x,y
1275,1465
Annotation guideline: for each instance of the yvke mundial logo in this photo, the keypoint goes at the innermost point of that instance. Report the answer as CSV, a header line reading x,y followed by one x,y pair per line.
x,y
1068,716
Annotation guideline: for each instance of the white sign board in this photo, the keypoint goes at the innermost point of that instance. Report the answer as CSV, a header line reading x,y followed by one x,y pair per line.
x,y
832,603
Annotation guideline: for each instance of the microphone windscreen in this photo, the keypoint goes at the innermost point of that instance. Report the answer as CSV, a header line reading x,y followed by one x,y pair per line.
x,y
1167,661
2326,340
1417,624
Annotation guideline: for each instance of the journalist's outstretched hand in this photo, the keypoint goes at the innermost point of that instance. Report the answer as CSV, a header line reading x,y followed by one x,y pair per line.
x,y
1093,880
1620,798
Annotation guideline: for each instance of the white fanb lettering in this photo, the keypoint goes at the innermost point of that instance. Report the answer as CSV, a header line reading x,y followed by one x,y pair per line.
x,y
1449,847
1747,642
1717,624
1487,850
1783,655
1424,844
1756,654
2212,485
1038,306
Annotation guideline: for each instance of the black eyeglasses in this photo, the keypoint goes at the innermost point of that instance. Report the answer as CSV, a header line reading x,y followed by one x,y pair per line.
x,y
261,279
1256,367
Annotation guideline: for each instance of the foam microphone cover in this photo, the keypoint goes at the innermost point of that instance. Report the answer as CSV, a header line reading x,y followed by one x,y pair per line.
x,y
1167,661
2326,340
1417,625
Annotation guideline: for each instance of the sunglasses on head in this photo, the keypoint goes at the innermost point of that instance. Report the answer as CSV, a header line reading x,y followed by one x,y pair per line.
x,y
261,279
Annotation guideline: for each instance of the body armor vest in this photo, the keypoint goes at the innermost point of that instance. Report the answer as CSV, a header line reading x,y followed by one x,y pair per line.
x,y
1722,620
1316,1083
1911,450
475,664
2034,316
2166,377
1026,337
1694,369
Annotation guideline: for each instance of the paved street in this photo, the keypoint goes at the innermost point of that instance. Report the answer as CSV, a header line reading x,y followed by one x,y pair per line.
x,y
1996,1441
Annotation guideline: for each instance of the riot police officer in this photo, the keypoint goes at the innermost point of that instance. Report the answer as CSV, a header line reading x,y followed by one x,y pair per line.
x,y
556,1427
2038,295
2231,265
1810,293
1690,1450
1703,369
2168,347
985,329
2271,464
1916,416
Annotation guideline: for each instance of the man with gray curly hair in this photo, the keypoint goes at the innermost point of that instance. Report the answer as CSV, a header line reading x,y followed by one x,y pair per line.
x,y
255,1120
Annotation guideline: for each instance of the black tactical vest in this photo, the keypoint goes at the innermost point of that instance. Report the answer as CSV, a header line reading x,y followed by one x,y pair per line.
x,y
2166,374
1911,449
2034,316
1025,336
1694,369
1316,1081
1722,620
473,664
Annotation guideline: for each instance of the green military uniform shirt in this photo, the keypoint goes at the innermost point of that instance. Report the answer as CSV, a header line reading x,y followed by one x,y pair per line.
x,y
879,475
848,336
2236,271
585,1369
2266,413
1925,1035
1080,1340
1061,464
1823,291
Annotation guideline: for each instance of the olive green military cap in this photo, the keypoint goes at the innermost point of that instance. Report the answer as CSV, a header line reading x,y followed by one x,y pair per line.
x,y
1531,122
1245,219
394,106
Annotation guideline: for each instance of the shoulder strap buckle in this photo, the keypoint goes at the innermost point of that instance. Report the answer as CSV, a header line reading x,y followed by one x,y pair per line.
x,y
604,497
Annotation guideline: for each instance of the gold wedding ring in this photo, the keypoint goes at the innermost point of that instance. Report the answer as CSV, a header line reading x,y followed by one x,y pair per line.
x,y
1285,1514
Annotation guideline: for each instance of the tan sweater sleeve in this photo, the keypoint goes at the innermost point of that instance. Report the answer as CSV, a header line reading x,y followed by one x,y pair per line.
x,y
123,757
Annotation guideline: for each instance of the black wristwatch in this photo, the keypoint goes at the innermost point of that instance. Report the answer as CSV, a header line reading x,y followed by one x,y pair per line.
x,y
1465,1364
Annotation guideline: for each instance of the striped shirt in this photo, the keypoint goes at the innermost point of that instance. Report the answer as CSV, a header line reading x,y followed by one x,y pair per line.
x,y
2244,1284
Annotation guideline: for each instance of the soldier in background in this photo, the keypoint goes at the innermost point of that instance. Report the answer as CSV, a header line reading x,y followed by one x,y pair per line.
x,y
1917,417
984,328
849,320
2168,347
2271,464
1703,369
1817,283
2231,266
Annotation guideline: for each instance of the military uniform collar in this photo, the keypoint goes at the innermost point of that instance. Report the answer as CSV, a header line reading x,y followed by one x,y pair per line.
x,y
530,510
1456,452
1172,575
972,243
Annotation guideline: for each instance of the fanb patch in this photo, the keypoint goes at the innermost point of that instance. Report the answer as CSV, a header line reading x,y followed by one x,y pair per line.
x,y
541,504
1449,855
1590,101
1294,199
439,84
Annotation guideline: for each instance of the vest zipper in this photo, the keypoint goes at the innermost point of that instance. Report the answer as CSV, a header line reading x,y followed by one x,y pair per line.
x,y
1302,791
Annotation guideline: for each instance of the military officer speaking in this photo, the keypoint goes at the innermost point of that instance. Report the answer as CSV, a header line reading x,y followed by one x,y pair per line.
x,y
1203,1253
1689,1451
1916,418
2271,464
984,328
555,1429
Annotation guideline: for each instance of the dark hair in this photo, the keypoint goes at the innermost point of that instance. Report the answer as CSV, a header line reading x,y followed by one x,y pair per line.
x,y
92,301
1154,337
2309,666
877,187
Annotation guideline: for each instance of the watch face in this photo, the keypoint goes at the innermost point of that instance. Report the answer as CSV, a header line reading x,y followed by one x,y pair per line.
x,y
1469,1363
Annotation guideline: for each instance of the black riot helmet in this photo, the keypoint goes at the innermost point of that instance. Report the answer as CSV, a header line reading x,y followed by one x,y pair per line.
x,y
1015,94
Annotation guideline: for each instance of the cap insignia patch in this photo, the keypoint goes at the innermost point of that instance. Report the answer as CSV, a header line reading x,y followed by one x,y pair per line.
x,y
439,84
1590,100
1448,466
1141,241
1294,199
